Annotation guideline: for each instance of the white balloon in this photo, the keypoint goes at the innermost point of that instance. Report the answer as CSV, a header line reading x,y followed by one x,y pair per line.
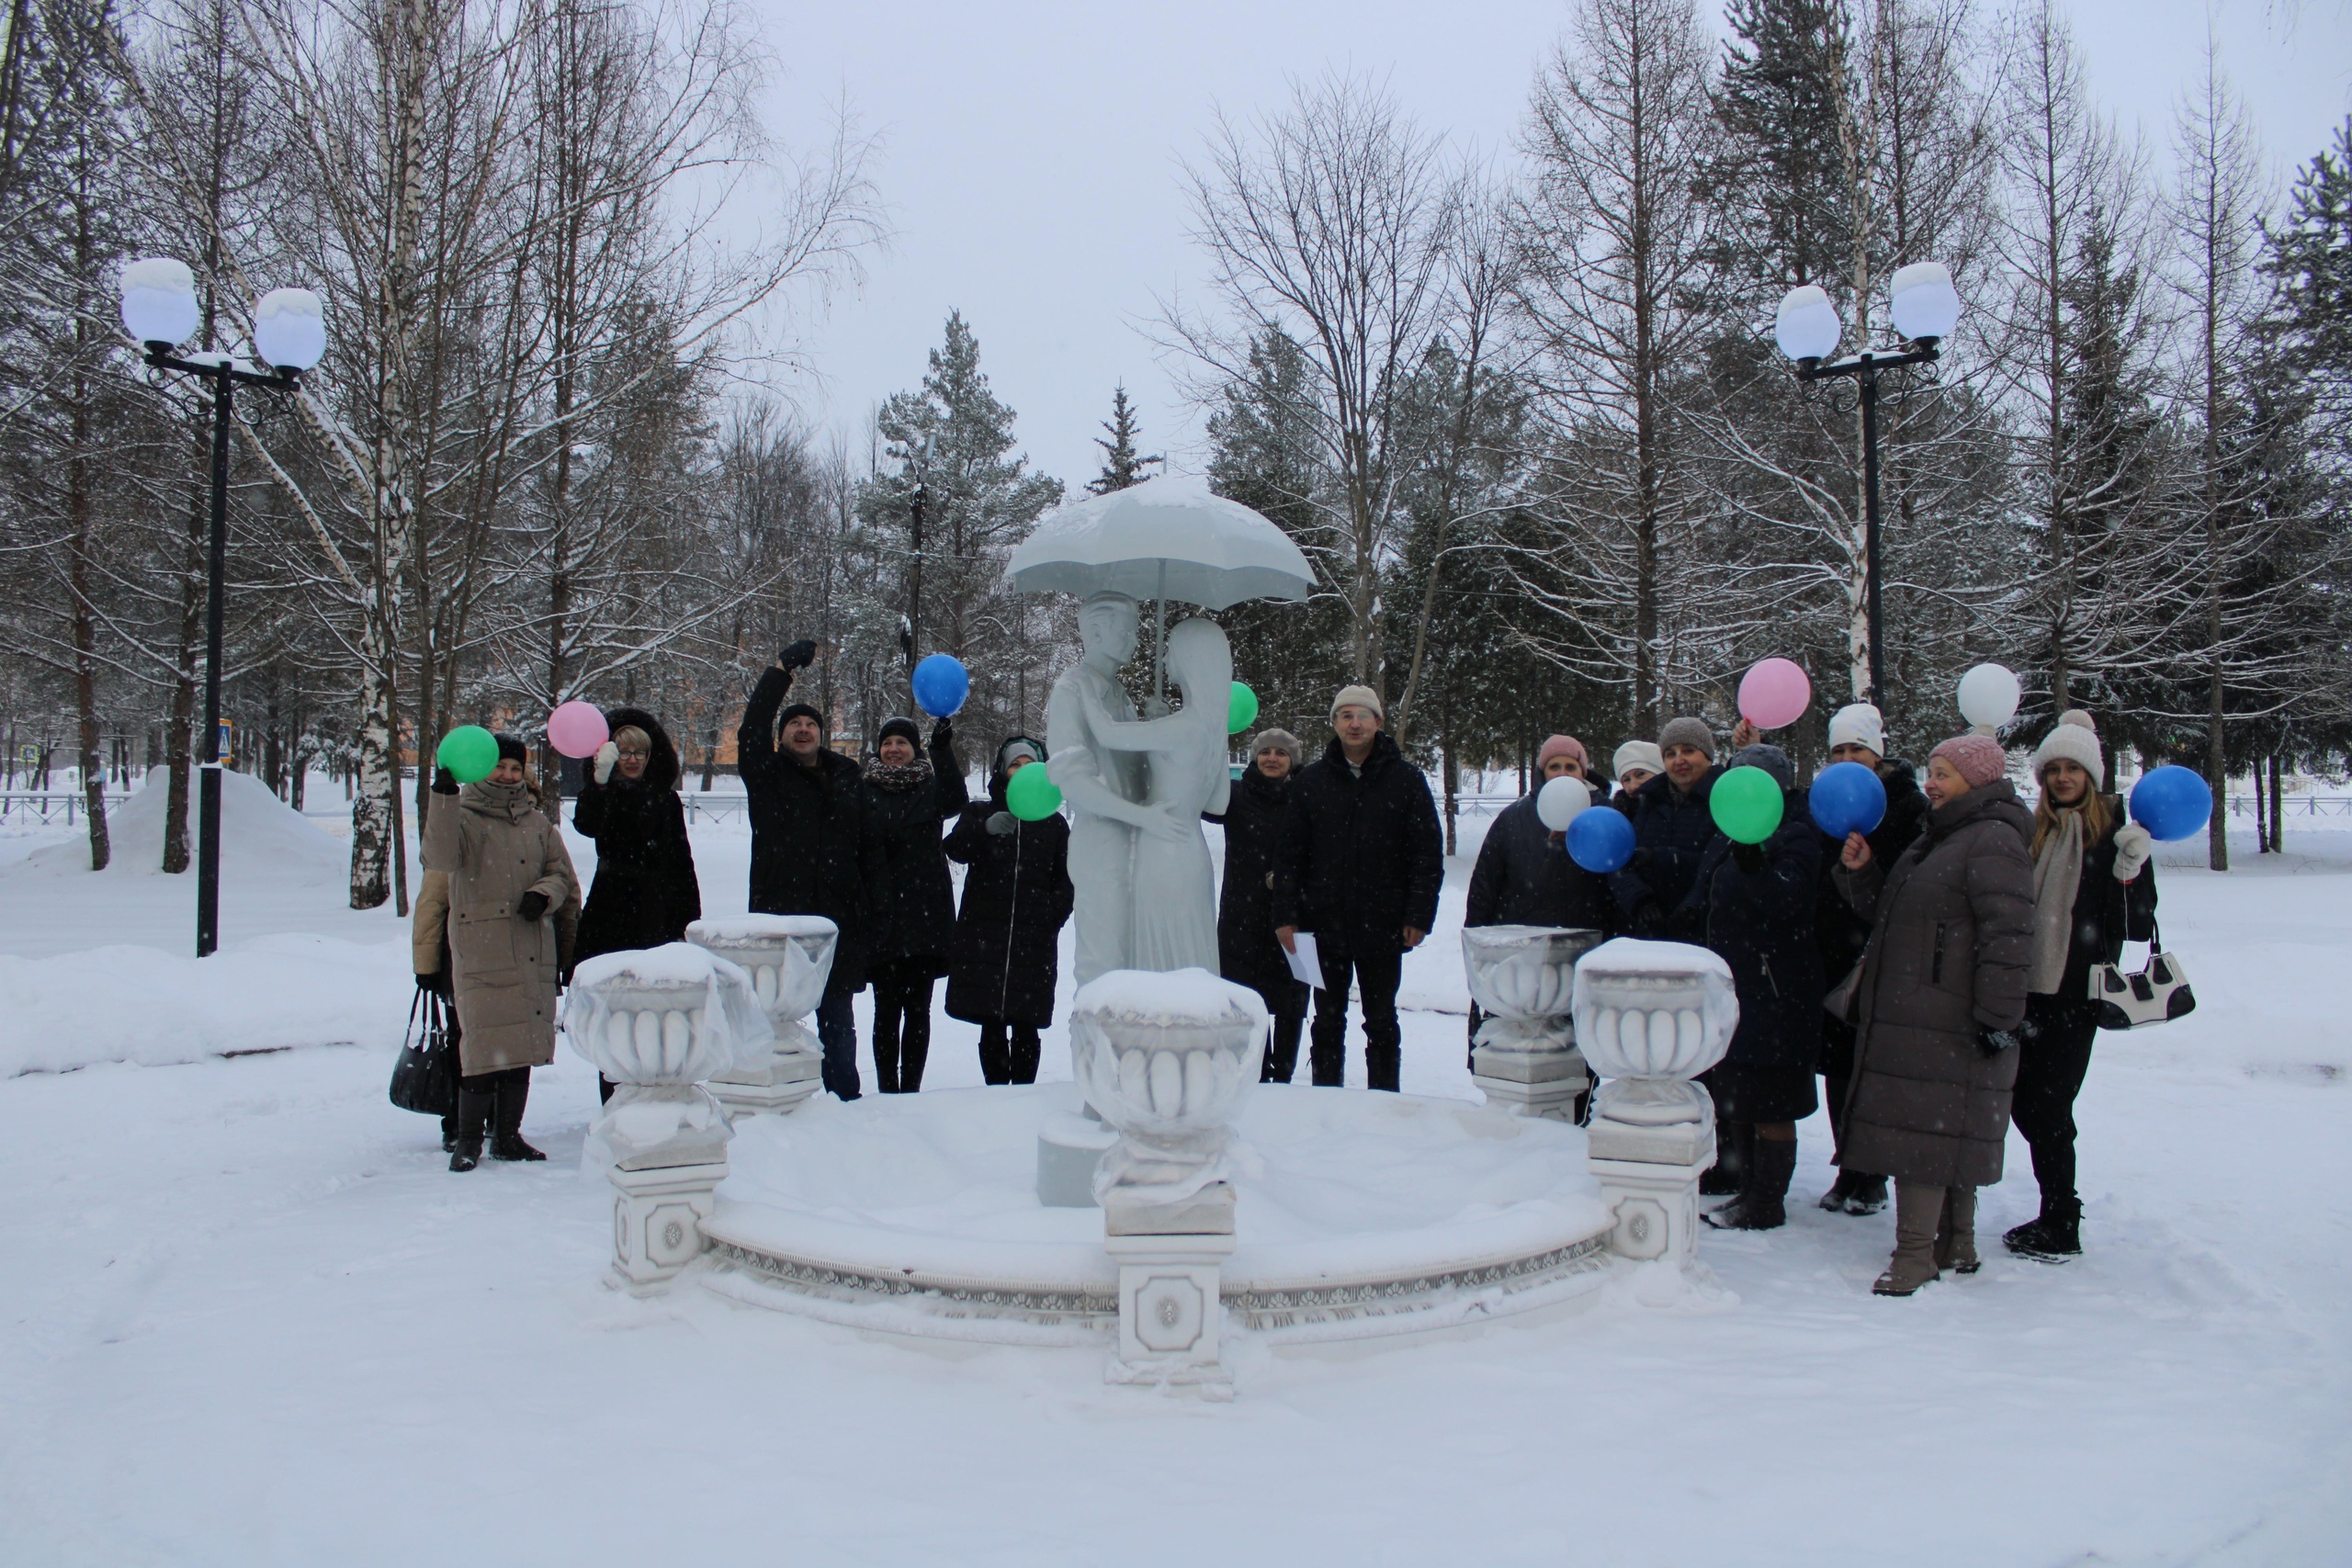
x,y
1557,803
1988,695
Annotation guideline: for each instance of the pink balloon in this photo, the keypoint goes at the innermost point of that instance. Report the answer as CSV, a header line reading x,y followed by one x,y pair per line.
x,y
576,729
1775,692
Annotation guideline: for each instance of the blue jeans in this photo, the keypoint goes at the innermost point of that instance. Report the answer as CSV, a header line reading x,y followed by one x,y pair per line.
x,y
837,1032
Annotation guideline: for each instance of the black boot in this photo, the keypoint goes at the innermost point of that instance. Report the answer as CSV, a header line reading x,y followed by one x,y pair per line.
x,y
2053,1237
473,1112
1723,1178
1383,1067
1868,1195
450,1134
1762,1203
506,1141
1840,1190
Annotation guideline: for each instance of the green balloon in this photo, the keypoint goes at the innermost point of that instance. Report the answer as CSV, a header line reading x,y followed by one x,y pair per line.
x,y
1242,711
1030,796
469,752
1747,805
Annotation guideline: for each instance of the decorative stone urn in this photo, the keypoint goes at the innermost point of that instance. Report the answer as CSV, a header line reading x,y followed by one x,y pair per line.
x,y
659,1022
1166,1059
1650,1016
788,957
1521,977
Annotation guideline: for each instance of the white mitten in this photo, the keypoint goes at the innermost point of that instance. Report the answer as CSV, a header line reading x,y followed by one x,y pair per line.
x,y
606,755
2133,844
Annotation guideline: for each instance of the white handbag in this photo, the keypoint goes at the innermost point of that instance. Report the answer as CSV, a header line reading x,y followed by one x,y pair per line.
x,y
2156,993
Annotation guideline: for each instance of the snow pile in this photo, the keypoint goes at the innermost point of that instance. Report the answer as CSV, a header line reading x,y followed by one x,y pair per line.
x,y
256,829
135,1004
730,928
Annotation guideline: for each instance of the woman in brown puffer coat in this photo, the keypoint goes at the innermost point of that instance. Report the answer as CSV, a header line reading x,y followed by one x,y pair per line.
x,y
1939,996
509,872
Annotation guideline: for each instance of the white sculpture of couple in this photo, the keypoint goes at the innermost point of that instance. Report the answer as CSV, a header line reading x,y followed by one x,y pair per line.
x,y
1136,786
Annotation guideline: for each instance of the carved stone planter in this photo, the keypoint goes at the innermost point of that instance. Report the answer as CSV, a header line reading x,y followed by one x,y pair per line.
x,y
1166,1059
789,958
1650,1016
1522,977
659,1022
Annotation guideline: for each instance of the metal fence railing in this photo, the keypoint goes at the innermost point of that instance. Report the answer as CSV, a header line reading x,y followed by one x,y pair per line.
x,y
43,809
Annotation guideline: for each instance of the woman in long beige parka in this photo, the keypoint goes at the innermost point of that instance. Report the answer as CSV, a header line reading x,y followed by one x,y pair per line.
x,y
508,873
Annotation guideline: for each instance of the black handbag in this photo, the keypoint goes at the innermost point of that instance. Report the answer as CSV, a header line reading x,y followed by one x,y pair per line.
x,y
424,1079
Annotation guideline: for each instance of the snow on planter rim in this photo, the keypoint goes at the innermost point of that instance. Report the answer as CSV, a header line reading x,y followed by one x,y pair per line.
x,y
758,928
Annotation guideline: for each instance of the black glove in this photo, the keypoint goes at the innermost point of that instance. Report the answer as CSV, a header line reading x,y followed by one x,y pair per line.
x,y
1749,857
1640,860
1649,919
799,656
531,904
944,732
437,983
1000,824
1992,1041
443,782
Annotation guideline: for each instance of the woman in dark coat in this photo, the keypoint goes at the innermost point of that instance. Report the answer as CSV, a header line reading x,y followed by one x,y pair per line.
x,y
645,892
2094,890
1752,904
1001,962
1247,952
908,798
1939,998
1857,734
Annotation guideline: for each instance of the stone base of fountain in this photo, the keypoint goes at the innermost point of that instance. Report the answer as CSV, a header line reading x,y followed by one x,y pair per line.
x,y
1531,1083
1360,1215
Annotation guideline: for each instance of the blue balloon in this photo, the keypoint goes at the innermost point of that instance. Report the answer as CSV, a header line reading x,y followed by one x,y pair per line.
x,y
940,685
1601,838
2171,803
1847,797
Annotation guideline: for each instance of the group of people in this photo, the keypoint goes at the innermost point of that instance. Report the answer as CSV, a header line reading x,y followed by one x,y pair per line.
x,y
500,921
1933,973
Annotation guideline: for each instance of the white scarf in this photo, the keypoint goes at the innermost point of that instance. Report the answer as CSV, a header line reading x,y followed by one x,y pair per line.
x,y
2057,878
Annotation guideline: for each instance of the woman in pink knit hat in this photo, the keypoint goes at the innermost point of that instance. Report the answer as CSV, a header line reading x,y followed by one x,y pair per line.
x,y
1936,1006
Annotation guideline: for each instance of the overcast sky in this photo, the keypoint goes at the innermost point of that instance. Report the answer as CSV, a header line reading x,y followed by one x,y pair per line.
x,y
1031,158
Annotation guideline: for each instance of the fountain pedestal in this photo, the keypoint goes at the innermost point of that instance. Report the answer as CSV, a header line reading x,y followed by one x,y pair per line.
x,y
1651,1015
789,958
1526,1061
1166,1060
658,1022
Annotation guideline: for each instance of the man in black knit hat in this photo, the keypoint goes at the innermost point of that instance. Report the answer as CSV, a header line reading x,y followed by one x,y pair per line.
x,y
815,848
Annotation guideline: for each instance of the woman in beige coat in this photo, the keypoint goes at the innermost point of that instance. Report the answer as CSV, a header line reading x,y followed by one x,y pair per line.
x,y
508,872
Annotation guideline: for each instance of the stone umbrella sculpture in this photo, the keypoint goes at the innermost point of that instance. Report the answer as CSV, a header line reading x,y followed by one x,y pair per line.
x,y
1136,785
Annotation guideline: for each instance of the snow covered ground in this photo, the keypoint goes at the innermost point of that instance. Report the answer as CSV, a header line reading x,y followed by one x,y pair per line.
x,y
252,1319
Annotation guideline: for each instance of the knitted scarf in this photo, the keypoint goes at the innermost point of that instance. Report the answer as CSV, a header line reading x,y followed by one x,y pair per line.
x,y
2057,878
896,778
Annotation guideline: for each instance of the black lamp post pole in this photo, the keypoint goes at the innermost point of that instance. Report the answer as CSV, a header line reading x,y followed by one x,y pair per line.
x,y
1865,369
224,377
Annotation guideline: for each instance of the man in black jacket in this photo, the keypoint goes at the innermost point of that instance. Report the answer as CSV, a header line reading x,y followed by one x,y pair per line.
x,y
1359,865
816,849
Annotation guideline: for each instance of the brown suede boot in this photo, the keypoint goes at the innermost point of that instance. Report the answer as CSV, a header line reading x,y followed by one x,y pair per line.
x,y
1917,1211
1956,1233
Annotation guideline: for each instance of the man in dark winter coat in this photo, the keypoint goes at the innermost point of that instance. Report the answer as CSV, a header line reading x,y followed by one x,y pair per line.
x,y
908,797
1752,904
1360,864
1017,894
1248,953
815,850
1858,734
645,892
1672,828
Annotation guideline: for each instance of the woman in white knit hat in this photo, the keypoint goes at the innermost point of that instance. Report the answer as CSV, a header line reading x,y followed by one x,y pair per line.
x,y
2093,891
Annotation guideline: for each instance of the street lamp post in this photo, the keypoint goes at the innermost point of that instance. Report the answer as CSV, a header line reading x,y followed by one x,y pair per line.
x,y
1925,310
159,309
